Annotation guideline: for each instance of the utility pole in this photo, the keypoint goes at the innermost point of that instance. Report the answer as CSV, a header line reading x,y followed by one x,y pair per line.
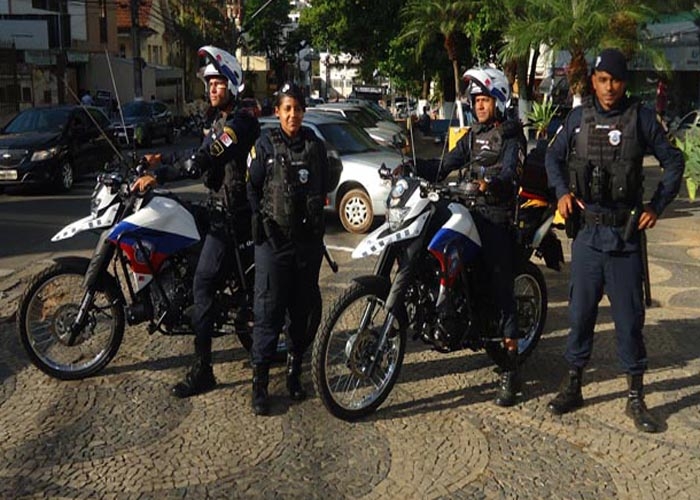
x,y
136,48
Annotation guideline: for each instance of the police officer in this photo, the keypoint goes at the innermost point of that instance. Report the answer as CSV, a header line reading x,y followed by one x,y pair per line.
x,y
221,161
288,171
494,149
594,164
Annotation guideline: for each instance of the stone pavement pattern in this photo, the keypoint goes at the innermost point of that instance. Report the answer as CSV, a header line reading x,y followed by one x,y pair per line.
x,y
120,434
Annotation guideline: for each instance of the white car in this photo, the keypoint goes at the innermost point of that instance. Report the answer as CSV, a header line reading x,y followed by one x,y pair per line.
x,y
361,194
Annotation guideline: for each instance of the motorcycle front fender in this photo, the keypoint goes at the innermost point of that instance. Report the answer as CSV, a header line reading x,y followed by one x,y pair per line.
x,y
102,280
104,251
372,280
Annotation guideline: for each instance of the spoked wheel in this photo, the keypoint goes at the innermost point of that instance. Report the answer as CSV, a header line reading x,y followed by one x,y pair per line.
x,y
352,374
48,309
531,301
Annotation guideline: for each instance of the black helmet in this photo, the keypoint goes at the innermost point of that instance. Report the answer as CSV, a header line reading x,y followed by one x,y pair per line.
x,y
290,89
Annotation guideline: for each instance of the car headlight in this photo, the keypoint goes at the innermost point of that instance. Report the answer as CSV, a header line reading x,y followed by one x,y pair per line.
x,y
45,154
396,215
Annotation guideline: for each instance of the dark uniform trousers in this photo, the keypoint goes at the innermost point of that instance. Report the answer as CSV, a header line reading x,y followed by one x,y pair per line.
x,y
499,257
619,274
286,280
216,262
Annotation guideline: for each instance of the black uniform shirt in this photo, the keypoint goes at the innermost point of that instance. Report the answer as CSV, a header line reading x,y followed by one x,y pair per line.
x,y
652,137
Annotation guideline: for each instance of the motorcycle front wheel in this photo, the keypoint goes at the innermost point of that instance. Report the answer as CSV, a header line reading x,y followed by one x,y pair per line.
x,y
531,301
346,348
48,309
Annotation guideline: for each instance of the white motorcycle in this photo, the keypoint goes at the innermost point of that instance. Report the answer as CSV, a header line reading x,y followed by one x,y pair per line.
x,y
428,283
72,316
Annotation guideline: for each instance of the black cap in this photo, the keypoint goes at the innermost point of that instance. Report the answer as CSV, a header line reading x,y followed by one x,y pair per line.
x,y
291,89
612,61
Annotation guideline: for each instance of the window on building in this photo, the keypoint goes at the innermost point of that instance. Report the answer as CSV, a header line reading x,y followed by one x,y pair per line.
x,y
122,50
26,94
47,97
52,5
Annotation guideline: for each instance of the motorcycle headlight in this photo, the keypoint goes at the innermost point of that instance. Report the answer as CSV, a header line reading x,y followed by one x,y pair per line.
x,y
396,216
45,154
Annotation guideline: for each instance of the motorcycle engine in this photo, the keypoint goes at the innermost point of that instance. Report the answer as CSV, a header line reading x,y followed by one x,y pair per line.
x,y
176,280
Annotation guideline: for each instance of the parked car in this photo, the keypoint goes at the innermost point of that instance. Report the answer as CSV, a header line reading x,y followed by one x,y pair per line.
x,y
689,121
51,146
382,112
384,132
145,121
361,194
252,105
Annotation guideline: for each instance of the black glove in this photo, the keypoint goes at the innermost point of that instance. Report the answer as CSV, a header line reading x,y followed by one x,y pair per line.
x,y
192,169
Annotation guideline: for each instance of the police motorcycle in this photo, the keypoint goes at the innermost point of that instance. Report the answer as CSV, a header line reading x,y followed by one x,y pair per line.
x,y
71,317
427,283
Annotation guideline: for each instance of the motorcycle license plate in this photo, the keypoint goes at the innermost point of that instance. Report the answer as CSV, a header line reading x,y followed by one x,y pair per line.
x,y
8,175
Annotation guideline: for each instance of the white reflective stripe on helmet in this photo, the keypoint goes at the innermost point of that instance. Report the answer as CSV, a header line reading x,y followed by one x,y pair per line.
x,y
489,81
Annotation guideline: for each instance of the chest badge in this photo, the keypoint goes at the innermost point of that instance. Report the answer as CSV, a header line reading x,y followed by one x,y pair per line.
x,y
614,137
303,176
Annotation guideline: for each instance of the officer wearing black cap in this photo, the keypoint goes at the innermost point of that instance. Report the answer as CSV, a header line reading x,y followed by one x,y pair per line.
x,y
594,164
288,182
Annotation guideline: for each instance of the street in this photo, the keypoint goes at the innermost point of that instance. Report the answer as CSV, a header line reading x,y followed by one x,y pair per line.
x,y
439,435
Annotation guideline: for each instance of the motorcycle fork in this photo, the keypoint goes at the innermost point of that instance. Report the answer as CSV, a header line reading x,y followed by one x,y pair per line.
x,y
103,253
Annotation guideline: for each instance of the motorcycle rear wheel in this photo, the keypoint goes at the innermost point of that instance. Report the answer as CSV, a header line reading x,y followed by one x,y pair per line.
x,y
344,348
531,299
48,308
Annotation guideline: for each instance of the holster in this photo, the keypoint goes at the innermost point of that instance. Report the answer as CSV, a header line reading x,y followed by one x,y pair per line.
x,y
572,225
272,233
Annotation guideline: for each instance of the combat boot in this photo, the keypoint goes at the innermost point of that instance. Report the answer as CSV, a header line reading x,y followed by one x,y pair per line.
x,y
296,391
570,397
636,409
198,380
510,383
260,399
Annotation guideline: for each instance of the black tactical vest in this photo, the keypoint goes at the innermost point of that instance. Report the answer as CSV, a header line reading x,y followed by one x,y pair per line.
x,y
605,166
235,170
293,194
486,150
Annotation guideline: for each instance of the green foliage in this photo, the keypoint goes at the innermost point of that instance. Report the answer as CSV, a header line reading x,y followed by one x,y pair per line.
x,y
540,116
690,146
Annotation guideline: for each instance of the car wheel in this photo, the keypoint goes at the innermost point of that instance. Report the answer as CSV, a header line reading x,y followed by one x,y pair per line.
x,y
355,211
65,178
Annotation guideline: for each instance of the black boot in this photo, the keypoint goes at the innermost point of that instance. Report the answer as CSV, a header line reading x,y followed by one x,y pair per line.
x,y
570,397
198,380
510,384
636,409
261,377
296,391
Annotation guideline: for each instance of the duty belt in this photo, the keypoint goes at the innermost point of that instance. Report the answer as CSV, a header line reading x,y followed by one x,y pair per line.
x,y
617,218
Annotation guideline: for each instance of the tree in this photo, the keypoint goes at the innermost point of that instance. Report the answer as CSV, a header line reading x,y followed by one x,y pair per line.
x,y
358,27
576,26
267,34
425,18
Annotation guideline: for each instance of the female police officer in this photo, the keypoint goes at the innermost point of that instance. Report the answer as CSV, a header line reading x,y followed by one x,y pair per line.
x,y
288,182
594,163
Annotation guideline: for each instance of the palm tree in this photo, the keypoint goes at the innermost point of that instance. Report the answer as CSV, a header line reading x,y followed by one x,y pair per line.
x,y
576,26
423,19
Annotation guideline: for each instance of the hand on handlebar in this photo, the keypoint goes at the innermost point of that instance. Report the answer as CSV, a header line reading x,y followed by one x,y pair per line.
x,y
144,183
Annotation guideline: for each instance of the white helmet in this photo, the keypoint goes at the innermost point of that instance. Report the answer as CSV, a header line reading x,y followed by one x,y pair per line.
x,y
489,81
221,63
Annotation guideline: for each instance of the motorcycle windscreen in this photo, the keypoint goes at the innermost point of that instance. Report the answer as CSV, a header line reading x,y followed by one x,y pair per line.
x,y
163,228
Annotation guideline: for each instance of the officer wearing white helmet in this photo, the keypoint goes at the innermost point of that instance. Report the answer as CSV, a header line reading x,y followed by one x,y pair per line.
x,y
221,161
494,149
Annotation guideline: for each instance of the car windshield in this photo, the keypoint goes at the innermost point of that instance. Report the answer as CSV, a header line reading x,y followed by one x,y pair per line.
x,y
689,119
363,119
347,139
39,120
136,108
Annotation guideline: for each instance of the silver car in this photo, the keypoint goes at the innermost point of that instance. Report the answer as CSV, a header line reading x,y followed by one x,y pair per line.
x,y
384,132
361,194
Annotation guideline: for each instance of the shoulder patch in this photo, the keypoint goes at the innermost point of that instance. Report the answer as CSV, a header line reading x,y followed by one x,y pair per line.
x,y
232,135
